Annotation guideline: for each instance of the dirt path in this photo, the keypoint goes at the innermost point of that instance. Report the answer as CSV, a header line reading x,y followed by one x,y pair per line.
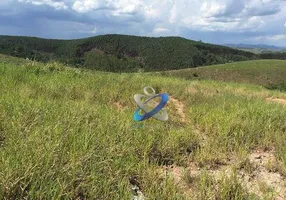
x,y
180,106
277,100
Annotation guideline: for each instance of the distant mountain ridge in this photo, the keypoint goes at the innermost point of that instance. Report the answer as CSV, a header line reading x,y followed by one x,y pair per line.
x,y
123,53
258,46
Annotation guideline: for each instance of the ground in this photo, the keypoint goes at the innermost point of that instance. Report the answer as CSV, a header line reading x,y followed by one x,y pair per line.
x,y
69,134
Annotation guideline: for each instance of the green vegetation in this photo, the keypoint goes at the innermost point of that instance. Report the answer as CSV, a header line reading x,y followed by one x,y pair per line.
x,y
69,134
121,53
258,49
268,73
273,55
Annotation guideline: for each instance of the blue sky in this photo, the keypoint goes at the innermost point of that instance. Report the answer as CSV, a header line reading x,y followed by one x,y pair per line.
x,y
214,21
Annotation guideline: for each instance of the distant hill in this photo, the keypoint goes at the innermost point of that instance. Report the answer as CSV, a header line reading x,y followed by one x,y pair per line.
x,y
267,73
122,53
260,48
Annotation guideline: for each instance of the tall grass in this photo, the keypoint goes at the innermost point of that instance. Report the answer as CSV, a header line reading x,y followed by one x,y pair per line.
x,y
63,137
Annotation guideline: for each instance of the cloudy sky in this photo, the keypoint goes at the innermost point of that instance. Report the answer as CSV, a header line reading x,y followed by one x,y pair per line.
x,y
214,21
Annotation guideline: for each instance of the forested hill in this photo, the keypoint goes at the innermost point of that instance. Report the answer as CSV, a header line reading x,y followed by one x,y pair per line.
x,y
122,53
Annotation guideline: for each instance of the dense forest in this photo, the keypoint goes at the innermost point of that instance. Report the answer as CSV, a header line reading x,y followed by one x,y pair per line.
x,y
122,53
273,55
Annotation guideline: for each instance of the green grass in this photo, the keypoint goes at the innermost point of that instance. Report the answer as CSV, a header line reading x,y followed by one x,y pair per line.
x,y
62,135
268,73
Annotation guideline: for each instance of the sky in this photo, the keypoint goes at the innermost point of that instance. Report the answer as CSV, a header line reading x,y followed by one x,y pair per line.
x,y
212,21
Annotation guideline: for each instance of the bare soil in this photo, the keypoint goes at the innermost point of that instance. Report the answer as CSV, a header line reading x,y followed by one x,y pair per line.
x,y
180,106
277,100
261,181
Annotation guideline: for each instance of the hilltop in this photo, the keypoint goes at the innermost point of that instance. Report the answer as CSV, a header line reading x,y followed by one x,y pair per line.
x,y
123,53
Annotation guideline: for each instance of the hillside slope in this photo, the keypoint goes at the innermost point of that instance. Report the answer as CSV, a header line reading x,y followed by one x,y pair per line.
x,y
273,55
69,133
122,53
268,73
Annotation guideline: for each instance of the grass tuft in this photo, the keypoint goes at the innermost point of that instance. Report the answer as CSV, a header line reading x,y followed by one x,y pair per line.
x,y
61,137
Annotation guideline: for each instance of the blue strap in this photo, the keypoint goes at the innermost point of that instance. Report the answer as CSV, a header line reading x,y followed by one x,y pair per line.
x,y
164,100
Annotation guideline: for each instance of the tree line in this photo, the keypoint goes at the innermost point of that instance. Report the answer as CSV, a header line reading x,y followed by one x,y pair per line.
x,y
123,53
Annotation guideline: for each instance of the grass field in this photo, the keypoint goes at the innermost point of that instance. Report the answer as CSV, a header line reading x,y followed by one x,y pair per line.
x,y
268,73
69,134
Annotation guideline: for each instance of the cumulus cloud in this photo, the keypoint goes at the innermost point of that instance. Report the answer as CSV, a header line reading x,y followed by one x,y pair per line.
x,y
88,5
190,18
211,15
228,15
116,6
262,7
240,8
58,5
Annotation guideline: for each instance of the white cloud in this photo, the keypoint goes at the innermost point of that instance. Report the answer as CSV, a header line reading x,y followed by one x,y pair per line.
x,y
262,7
229,15
58,5
88,5
119,6
206,15
272,37
213,8
172,17
161,30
